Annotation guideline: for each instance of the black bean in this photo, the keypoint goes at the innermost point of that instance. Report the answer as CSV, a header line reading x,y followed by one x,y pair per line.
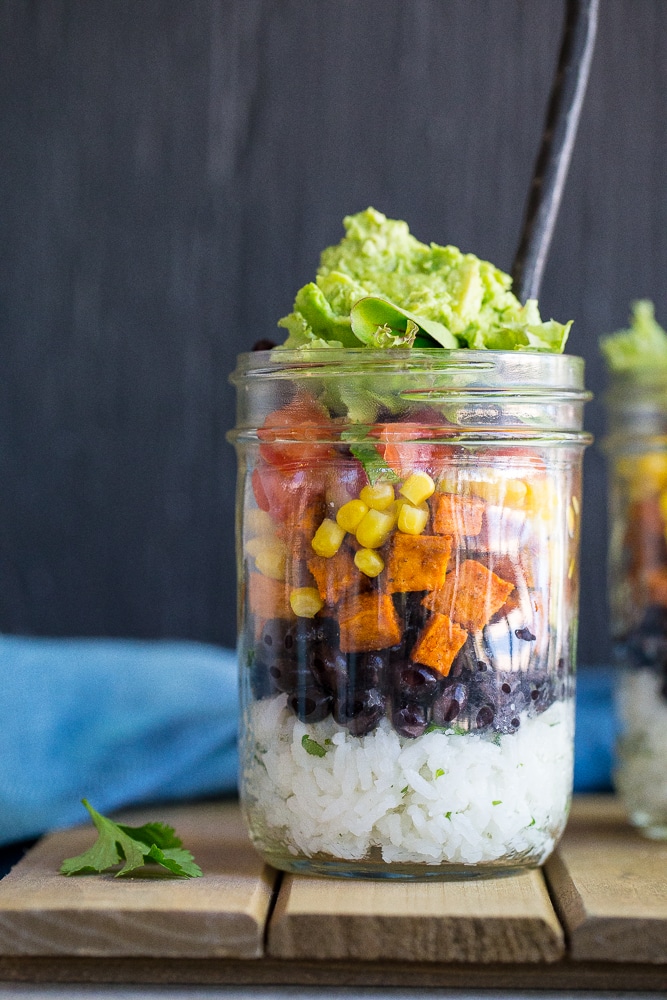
x,y
484,717
310,704
410,720
450,704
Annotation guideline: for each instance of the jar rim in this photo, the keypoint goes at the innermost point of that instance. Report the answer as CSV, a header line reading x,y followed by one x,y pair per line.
x,y
535,371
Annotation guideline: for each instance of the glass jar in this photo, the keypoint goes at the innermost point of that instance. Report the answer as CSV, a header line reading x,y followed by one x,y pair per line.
x,y
408,534
636,448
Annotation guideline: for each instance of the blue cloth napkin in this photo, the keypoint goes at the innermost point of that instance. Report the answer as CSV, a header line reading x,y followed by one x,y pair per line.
x,y
596,729
121,722
115,721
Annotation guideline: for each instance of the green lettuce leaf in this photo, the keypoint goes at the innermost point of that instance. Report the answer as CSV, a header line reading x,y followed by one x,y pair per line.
x,y
379,323
640,349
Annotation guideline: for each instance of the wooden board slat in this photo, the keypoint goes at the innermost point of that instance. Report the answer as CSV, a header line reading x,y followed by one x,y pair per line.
x,y
609,886
507,919
222,914
267,972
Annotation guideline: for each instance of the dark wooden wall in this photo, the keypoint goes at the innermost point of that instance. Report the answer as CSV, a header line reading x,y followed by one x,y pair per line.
x,y
169,172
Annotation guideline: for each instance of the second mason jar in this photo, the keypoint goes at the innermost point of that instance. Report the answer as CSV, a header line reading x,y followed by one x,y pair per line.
x,y
636,449
408,535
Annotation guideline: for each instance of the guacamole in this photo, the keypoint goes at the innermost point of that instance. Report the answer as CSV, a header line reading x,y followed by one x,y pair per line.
x,y
381,287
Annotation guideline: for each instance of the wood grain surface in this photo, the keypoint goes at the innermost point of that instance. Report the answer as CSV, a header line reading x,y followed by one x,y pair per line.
x,y
494,920
471,934
221,914
609,885
267,972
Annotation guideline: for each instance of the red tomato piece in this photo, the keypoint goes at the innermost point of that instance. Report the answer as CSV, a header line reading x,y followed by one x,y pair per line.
x,y
297,433
259,492
401,454
283,491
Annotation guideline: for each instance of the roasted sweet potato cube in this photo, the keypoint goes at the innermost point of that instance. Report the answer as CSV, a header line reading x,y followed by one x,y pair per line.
x,y
656,586
438,643
471,595
337,576
416,562
515,569
368,621
456,515
298,530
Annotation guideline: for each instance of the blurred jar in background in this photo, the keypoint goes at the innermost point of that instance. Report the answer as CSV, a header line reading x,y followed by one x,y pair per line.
x,y
636,448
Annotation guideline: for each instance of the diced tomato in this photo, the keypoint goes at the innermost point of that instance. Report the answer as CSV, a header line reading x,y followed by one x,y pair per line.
x,y
259,492
344,481
282,491
297,433
401,454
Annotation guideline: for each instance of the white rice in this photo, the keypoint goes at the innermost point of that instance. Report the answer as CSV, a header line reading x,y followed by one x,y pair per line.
x,y
443,798
641,773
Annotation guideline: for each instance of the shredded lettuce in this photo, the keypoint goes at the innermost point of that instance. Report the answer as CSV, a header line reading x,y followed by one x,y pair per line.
x,y
642,348
381,287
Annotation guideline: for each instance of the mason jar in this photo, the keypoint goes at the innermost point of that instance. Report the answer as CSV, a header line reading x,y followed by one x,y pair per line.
x,y
408,538
636,448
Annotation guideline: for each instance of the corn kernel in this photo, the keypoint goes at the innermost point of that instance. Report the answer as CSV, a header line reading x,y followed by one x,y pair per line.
x,y
511,492
259,522
254,546
645,474
350,514
412,520
417,488
378,497
369,562
571,520
541,498
270,560
328,538
452,484
305,602
374,528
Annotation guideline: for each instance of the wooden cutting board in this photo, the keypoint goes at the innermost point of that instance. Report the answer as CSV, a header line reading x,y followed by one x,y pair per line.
x,y
597,915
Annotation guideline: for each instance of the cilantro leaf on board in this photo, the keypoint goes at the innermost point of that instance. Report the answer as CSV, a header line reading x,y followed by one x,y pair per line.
x,y
135,845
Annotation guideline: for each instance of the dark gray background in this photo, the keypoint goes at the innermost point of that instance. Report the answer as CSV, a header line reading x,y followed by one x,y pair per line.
x,y
169,173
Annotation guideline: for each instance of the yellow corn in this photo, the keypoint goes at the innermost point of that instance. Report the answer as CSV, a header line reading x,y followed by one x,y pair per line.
x,y
259,522
270,559
647,471
511,492
374,528
541,498
369,562
377,497
571,519
663,506
305,602
417,488
255,546
453,484
350,514
327,539
412,520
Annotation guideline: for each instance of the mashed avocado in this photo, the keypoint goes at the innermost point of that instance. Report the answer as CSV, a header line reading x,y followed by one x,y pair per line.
x,y
640,350
381,287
